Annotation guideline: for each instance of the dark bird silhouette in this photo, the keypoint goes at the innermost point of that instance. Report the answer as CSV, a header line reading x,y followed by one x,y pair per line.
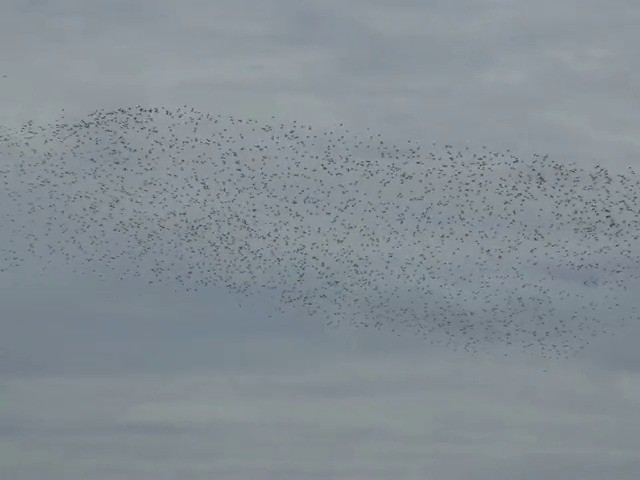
x,y
461,248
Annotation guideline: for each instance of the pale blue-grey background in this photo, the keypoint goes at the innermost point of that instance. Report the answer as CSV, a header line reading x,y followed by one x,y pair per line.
x,y
97,382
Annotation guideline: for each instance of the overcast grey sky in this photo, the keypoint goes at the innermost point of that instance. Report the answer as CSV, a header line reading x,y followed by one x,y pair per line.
x,y
98,382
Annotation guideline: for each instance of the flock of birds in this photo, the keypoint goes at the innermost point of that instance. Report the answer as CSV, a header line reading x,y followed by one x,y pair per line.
x,y
466,249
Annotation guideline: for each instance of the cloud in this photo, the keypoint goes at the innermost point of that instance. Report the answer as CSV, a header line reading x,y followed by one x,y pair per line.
x,y
377,415
99,382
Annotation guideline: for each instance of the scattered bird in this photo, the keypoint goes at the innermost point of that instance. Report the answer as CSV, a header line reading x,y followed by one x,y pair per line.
x,y
464,249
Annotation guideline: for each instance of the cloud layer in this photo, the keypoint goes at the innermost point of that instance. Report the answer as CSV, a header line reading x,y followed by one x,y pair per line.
x,y
99,382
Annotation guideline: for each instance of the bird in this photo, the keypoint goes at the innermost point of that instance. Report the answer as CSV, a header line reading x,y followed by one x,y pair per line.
x,y
466,250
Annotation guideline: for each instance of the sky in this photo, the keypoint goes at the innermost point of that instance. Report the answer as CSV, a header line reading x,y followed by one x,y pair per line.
x,y
117,380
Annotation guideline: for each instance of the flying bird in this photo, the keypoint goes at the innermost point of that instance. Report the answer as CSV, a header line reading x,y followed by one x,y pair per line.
x,y
464,249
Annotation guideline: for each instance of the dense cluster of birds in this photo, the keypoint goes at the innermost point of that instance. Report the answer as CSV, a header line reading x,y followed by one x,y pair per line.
x,y
467,249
